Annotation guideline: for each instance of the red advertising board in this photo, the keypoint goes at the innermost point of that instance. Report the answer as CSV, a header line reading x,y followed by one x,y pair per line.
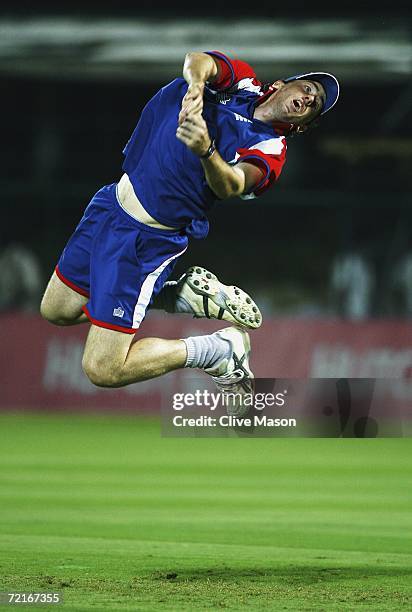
x,y
41,363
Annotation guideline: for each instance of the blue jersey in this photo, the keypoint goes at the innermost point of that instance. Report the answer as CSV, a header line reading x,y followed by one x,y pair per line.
x,y
168,178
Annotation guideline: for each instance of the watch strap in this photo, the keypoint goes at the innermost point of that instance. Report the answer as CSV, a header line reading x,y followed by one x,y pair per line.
x,y
210,151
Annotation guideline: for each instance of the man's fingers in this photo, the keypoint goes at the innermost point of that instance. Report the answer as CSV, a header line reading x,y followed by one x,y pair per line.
x,y
195,89
182,129
195,119
189,134
191,130
190,116
194,106
193,99
188,131
184,137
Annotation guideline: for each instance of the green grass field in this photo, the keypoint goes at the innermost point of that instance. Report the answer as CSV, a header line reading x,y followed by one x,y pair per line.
x,y
116,517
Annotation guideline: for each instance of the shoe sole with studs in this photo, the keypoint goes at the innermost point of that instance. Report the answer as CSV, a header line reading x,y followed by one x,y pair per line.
x,y
229,299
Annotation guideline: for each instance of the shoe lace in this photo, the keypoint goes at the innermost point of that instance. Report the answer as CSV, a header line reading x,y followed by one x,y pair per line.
x,y
235,381
238,384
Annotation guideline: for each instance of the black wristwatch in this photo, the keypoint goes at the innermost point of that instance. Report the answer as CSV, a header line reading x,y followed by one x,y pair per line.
x,y
210,151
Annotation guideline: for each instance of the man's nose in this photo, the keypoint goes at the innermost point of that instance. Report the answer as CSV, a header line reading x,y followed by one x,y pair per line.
x,y
309,99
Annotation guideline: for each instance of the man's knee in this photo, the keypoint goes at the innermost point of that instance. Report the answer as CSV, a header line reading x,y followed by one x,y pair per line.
x,y
101,372
60,304
105,356
48,312
51,314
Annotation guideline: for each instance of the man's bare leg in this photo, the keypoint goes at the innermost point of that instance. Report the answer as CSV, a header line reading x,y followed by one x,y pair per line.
x,y
61,305
112,359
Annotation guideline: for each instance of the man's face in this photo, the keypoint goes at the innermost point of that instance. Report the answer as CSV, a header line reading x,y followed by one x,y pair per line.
x,y
297,102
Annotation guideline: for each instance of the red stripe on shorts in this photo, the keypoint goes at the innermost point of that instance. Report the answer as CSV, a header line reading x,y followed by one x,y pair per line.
x,y
125,330
69,283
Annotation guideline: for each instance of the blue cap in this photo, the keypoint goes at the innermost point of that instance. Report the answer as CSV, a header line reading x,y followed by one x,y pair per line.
x,y
329,82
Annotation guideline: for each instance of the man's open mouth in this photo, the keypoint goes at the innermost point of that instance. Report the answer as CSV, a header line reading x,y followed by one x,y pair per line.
x,y
297,104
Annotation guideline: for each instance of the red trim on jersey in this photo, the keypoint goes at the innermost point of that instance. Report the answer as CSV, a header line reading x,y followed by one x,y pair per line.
x,y
266,95
231,71
271,164
70,284
259,163
227,74
125,330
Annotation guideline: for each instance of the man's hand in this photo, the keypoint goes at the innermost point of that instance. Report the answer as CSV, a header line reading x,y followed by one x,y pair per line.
x,y
192,102
194,134
198,69
223,179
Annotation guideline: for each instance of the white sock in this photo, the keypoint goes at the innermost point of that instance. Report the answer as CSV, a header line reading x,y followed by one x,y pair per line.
x,y
206,351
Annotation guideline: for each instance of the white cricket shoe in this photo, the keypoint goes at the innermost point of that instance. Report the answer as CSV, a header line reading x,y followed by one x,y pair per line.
x,y
233,376
210,298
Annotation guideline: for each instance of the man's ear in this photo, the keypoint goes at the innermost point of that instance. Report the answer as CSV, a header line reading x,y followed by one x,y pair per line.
x,y
278,84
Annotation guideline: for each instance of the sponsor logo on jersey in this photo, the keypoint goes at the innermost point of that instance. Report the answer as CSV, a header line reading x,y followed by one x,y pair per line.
x,y
118,312
241,118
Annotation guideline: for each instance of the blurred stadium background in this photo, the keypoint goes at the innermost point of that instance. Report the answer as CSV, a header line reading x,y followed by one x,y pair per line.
x,y
328,254
329,246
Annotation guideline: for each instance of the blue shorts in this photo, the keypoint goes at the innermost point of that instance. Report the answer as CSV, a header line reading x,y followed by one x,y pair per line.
x,y
117,262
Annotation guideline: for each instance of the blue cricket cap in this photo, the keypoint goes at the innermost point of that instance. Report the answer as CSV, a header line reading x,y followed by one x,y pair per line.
x,y
330,85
